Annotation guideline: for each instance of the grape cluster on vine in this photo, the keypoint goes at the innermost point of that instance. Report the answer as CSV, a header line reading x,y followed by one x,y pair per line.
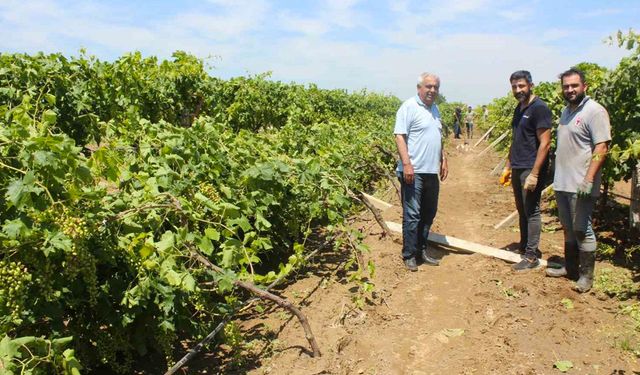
x,y
14,283
209,191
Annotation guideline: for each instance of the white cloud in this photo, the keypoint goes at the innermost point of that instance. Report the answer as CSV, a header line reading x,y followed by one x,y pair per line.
x,y
512,15
551,35
303,25
601,12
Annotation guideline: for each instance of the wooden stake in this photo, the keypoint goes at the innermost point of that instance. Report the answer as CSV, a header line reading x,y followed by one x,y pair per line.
x,y
507,220
484,136
498,167
467,246
512,216
494,143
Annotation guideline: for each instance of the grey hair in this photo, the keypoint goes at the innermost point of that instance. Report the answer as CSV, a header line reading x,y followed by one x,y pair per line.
x,y
426,75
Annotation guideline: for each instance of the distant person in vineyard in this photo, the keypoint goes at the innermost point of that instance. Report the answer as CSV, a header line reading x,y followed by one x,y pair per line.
x,y
584,133
527,164
469,121
457,122
418,134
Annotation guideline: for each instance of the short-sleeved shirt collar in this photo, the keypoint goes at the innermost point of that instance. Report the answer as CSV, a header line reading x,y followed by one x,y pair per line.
x,y
535,99
421,103
582,103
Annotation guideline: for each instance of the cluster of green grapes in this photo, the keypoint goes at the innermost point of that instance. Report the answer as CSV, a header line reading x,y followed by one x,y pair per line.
x,y
14,283
115,351
166,340
74,227
80,262
209,191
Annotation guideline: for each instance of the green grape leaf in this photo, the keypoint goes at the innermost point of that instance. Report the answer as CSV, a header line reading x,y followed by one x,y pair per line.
x,y
205,246
229,249
173,278
212,234
563,366
49,117
58,241
147,249
19,190
50,98
166,241
70,364
14,228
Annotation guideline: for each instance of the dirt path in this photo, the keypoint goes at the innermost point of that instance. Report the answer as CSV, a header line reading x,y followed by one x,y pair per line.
x,y
471,315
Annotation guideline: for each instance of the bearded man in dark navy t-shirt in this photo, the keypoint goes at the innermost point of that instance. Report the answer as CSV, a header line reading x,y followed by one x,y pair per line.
x,y
527,163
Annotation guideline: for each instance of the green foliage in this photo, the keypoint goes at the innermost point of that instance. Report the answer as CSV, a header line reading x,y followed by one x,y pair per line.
x,y
99,243
567,303
34,355
616,282
620,94
563,366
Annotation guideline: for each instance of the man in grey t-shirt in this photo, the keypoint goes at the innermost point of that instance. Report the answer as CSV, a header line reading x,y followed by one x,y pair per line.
x,y
583,134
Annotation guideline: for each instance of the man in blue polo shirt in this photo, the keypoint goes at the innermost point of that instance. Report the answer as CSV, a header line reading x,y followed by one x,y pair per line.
x,y
527,163
418,133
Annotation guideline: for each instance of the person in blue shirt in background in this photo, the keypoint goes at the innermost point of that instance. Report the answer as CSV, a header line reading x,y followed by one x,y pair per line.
x,y
418,135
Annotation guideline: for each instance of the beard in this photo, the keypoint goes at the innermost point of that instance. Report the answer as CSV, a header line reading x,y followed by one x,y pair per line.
x,y
577,100
523,96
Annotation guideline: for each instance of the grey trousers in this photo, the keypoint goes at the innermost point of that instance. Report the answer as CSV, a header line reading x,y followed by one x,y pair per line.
x,y
575,216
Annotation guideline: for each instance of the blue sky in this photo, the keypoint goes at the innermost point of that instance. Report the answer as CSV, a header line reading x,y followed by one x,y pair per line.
x,y
379,45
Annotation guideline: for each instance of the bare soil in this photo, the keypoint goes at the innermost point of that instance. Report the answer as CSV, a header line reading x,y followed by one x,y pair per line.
x,y
470,315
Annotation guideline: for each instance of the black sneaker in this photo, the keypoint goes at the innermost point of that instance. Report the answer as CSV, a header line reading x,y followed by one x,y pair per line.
x,y
410,264
426,259
526,264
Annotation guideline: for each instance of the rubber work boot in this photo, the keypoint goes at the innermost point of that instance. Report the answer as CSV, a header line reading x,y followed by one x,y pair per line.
x,y
570,269
429,261
410,264
587,264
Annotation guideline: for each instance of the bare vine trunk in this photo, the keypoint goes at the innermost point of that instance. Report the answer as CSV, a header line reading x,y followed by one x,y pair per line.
x,y
634,206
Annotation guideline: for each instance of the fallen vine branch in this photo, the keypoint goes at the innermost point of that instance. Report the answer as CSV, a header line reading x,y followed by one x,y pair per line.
x,y
263,294
376,214
198,348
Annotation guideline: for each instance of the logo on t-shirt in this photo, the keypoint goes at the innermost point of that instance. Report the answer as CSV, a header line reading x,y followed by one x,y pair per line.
x,y
578,120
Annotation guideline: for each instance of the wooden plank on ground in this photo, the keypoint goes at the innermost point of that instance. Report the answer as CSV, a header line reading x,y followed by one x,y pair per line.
x,y
514,215
498,140
467,246
484,136
377,203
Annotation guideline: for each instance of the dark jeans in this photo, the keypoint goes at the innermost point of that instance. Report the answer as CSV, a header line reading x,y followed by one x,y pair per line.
x,y
457,130
528,205
419,207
